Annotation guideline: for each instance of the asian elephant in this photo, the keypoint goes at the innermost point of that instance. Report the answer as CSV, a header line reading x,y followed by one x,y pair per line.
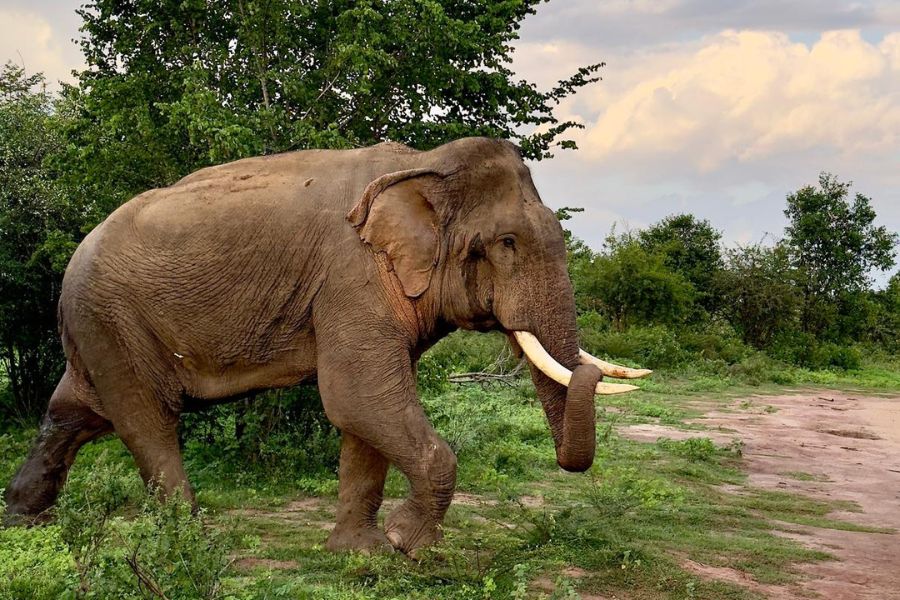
x,y
340,266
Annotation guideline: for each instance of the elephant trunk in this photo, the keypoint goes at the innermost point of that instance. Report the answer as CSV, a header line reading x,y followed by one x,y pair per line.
x,y
569,405
566,379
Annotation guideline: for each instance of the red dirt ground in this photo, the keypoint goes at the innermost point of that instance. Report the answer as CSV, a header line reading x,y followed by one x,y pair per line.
x,y
850,443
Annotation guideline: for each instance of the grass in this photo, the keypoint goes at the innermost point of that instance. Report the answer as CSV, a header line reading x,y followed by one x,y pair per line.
x,y
521,528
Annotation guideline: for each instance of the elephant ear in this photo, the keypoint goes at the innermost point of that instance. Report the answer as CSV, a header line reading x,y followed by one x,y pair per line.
x,y
395,216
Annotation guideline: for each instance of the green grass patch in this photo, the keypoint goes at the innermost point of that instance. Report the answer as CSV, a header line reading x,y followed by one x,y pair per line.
x,y
623,528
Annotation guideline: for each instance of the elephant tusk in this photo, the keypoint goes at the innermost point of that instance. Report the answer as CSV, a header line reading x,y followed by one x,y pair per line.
x,y
610,369
541,359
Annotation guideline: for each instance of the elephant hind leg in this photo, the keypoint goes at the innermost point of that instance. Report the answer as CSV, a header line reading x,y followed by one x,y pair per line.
x,y
149,429
68,424
361,478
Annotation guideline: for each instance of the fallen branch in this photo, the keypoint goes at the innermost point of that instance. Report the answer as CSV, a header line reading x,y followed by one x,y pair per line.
x,y
486,378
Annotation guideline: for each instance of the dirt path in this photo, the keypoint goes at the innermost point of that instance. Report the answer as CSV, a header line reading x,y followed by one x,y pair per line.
x,y
842,446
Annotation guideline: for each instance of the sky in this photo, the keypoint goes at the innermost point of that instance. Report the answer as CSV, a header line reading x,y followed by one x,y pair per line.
x,y
715,107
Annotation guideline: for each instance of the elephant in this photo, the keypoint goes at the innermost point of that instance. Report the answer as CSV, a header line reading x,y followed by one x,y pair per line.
x,y
335,266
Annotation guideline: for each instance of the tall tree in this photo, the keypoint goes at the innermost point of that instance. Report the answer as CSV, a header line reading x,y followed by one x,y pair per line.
x,y
690,246
39,226
174,85
634,286
835,245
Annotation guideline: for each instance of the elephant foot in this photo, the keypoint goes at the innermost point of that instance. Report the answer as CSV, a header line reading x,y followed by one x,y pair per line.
x,y
410,531
368,540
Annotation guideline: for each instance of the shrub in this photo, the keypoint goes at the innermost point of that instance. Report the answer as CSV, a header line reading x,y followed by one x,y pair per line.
x,y
35,563
758,292
278,435
805,350
635,286
694,449
161,551
653,347
622,490
468,351
164,550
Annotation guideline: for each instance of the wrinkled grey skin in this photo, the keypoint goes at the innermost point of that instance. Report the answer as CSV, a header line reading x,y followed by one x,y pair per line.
x,y
340,266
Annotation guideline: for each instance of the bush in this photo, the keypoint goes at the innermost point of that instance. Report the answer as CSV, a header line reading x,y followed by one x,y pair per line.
x,y
653,347
278,435
635,286
619,491
805,350
165,551
699,449
501,439
35,563
468,351
758,292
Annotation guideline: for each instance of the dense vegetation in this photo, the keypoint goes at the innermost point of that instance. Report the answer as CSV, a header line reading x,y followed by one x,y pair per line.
x,y
175,86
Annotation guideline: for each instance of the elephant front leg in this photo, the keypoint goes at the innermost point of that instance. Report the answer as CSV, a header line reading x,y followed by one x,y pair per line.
x,y
431,470
362,473
378,406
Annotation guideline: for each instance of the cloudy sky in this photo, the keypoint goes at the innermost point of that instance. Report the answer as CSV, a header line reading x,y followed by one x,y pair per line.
x,y
715,107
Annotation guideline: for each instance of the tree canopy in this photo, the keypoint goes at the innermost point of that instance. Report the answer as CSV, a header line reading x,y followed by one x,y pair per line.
x,y
835,240
834,244
39,224
691,247
176,85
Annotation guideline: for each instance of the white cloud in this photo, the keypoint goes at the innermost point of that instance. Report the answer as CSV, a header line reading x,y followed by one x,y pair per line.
x,y
723,126
748,97
28,39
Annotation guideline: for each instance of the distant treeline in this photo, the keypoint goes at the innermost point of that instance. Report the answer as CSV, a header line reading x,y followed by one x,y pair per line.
x,y
805,299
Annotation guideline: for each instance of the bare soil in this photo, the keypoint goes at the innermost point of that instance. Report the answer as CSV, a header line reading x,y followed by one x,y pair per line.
x,y
829,445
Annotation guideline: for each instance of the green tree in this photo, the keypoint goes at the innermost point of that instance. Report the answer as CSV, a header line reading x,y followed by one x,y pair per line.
x,y
885,328
39,229
578,259
758,294
635,286
835,245
176,85
690,246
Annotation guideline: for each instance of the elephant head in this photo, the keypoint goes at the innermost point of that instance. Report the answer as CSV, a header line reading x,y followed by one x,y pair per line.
x,y
472,246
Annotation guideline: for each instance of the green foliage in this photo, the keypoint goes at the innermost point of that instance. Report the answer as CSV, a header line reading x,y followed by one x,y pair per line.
x,y
634,286
758,293
36,564
694,449
207,83
620,490
805,350
86,510
39,228
834,243
502,438
163,551
690,247
111,539
885,318
462,352
279,436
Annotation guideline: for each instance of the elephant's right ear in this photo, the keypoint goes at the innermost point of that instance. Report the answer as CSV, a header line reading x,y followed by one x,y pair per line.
x,y
395,216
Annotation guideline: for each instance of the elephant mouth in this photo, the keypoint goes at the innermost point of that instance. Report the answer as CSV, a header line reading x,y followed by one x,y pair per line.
x,y
543,361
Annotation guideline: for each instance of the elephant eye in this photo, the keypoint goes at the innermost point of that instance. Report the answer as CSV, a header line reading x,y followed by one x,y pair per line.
x,y
508,241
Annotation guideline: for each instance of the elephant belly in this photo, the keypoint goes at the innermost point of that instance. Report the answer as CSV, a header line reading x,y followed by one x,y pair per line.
x,y
215,382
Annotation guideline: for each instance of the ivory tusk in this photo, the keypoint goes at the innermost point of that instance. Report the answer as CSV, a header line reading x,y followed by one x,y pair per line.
x,y
541,359
610,369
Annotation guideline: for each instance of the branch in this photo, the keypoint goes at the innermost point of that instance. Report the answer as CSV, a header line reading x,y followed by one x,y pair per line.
x,y
493,374
144,580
